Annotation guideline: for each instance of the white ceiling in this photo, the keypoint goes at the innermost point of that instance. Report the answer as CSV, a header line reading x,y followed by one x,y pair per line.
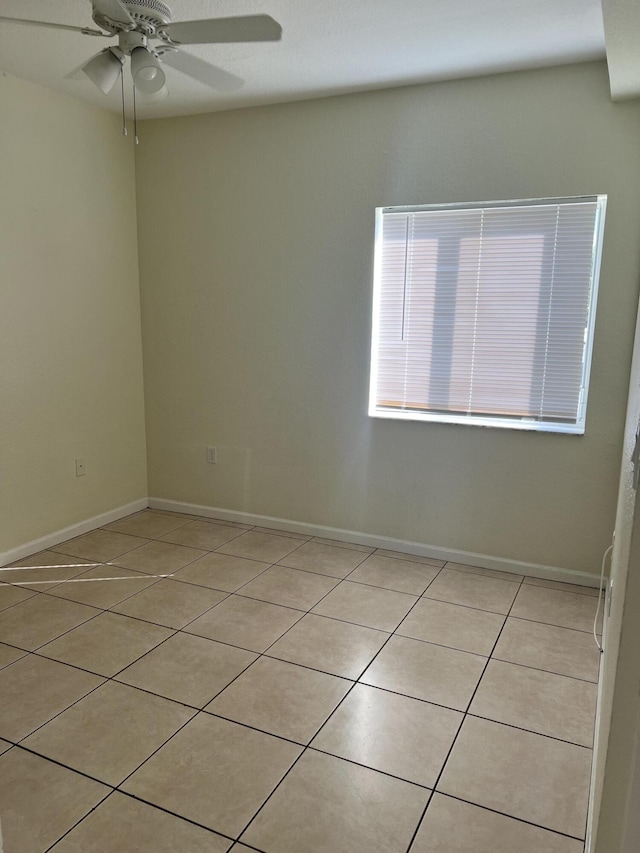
x,y
328,46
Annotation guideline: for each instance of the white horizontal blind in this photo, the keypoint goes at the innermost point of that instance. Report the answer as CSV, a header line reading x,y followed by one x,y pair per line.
x,y
485,313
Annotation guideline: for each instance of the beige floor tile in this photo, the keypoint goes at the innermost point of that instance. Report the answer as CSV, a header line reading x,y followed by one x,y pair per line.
x,y
260,546
220,571
40,801
463,628
34,690
394,734
425,671
50,559
170,603
401,555
106,644
289,587
9,654
214,772
10,595
563,587
103,586
202,534
473,590
292,534
188,669
110,732
399,575
365,549
100,545
323,559
330,645
548,647
327,805
159,558
243,622
553,607
172,513
541,702
236,524
451,826
241,848
521,774
124,824
366,605
44,570
487,573
5,746
40,619
281,698
148,524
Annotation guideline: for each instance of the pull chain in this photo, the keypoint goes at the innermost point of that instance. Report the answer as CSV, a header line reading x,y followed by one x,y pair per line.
x,y
135,116
124,118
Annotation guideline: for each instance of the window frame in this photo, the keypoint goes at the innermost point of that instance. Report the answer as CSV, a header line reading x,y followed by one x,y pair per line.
x,y
498,422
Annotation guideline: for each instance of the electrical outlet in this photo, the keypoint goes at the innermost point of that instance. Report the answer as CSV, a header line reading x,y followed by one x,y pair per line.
x,y
80,469
212,455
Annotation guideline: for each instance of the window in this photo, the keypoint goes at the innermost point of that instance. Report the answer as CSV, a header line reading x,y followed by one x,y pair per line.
x,y
484,313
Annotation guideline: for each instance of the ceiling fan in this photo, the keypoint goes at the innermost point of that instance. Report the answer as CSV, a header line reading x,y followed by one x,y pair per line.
x,y
136,23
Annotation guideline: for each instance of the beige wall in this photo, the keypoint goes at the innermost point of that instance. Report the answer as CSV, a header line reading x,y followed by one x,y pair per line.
x,y
256,232
70,350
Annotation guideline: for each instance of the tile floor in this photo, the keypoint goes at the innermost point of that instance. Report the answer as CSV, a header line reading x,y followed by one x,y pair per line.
x,y
170,683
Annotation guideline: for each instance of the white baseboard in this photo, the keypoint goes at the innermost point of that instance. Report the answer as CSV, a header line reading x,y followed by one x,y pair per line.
x,y
78,529
419,549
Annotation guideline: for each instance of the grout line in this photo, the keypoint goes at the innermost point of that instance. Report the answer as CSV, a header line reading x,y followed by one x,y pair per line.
x,y
481,609
339,704
369,665
512,817
529,731
554,624
160,624
145,541
71,828
140,799
166,541
299,743
271,565
184,628
462,721
409,558
235,722
548,671
306,571
497,576
62,764
147,803
106,679
264,653
368,767
592,594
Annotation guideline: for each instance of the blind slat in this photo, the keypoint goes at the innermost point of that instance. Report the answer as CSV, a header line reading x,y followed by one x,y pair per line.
x,y
486,310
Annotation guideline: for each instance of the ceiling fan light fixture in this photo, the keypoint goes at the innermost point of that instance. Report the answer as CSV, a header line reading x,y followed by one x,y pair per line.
x,y
148,76
104,70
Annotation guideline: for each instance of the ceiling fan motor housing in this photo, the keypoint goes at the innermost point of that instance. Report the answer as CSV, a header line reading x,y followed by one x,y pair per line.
x,y
148,16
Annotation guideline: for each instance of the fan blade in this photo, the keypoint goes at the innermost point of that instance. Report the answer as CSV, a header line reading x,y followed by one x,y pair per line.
x,y
112,9
202,71
218,30
87,31
77,73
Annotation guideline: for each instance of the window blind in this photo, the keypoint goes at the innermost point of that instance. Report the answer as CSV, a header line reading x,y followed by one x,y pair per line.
x,y
484,313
